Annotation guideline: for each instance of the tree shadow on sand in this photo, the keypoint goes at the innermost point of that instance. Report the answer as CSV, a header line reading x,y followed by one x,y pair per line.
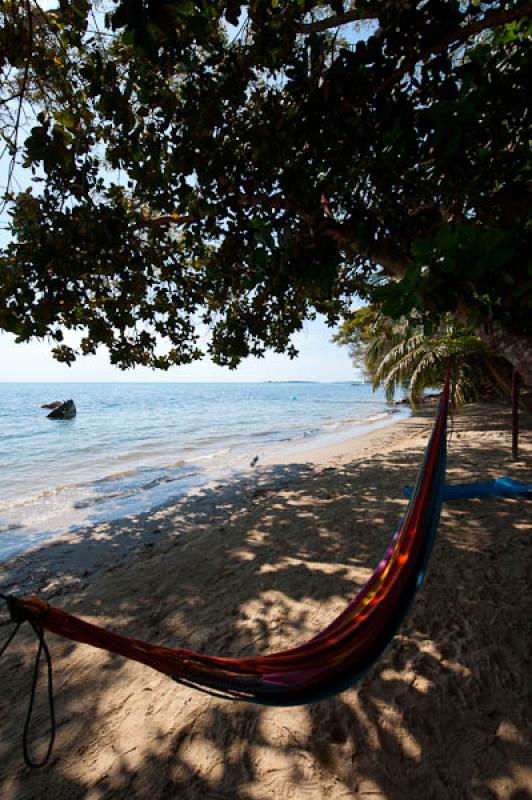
x,y
443,713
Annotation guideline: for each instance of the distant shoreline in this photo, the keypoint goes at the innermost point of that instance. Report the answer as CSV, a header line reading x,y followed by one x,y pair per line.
x,y
351,381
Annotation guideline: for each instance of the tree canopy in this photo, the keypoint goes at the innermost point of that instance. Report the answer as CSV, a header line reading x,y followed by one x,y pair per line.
x,y
242,166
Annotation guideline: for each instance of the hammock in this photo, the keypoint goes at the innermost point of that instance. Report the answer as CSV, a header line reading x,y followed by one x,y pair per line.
x,y
499,487
333,660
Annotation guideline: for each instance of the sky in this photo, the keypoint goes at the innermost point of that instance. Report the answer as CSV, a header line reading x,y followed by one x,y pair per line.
x,y
319,360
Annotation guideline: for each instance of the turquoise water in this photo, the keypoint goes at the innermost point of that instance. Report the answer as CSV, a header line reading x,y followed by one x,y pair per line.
x,y
133,447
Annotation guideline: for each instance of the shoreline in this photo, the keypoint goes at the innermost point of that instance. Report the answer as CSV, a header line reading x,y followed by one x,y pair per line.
x,y
263,565
194,478
91,550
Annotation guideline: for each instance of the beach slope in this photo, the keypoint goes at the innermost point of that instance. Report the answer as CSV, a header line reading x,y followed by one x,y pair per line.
x,y
261,565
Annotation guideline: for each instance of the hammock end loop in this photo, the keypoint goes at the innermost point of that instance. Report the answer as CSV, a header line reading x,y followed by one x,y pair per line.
x,y
24,609
16,609
31,610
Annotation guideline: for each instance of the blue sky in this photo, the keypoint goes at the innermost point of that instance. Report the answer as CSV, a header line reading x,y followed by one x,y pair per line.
x,y
319,359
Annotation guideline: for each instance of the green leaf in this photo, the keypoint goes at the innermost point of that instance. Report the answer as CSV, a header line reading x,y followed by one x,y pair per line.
x,y
66,119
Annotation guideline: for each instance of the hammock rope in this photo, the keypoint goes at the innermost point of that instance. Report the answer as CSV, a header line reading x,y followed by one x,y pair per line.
x,y
18,615
332,661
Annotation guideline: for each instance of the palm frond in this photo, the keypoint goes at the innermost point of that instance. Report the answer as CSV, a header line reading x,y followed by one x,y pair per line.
x,y
399,355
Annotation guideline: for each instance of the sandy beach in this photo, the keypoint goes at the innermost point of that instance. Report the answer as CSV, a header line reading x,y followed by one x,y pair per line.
x,y
261,564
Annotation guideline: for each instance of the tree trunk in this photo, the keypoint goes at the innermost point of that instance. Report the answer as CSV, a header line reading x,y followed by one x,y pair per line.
x,y
515,415
516,349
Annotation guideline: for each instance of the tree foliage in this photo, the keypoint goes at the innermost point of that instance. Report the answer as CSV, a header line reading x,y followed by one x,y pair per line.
x,y
244,166
403,355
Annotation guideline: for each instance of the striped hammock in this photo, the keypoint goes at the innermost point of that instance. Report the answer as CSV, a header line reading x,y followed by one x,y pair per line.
x,y
333,660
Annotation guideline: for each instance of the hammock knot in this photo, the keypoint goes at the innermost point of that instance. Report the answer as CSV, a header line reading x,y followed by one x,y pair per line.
x,y
17,610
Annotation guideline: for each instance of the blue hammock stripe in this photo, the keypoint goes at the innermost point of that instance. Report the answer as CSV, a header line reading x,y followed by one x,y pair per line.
x,y
499,487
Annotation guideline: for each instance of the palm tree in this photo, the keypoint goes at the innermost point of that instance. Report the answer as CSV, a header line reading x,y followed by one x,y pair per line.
x,y
402,355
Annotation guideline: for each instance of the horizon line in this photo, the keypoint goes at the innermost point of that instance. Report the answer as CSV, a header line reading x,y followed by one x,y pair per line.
x,y
268,381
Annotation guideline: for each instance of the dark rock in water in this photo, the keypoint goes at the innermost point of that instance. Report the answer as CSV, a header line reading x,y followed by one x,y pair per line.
x,y
55,404
66,410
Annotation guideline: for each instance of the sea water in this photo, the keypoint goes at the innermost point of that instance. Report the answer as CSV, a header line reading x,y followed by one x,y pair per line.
x,y
135,446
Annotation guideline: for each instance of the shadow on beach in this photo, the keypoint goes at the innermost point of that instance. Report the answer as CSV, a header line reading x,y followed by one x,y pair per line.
x,y
445,713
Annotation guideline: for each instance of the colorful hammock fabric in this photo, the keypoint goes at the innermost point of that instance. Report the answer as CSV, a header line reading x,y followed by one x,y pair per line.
x,y
334,659
499,487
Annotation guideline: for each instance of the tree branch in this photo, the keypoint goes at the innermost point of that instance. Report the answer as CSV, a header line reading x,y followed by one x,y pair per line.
x,y
394,264
273,202
166,219
491,20
5,101
322,223
331,22
22,92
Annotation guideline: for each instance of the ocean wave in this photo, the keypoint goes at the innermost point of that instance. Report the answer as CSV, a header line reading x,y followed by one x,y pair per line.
x,y
130,491
377,417
10,528
211,456
140,477
43,494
